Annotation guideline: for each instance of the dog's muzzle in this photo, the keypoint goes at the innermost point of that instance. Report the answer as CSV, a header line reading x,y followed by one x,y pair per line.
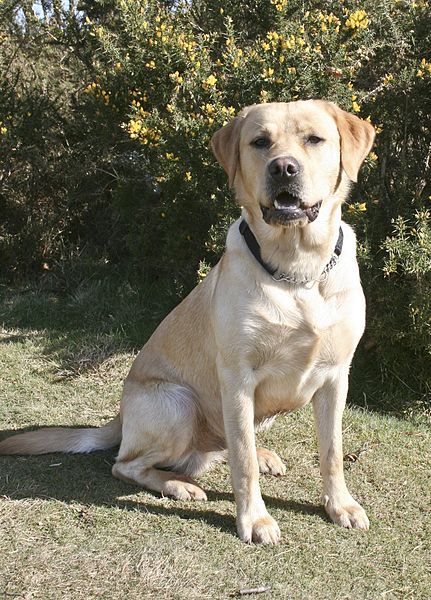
x,y
284,192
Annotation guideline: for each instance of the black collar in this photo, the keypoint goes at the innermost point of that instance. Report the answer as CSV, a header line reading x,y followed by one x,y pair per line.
x,y
254,248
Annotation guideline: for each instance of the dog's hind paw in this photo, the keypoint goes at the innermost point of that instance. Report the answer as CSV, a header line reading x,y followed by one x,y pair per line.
x,y
183,490
270,462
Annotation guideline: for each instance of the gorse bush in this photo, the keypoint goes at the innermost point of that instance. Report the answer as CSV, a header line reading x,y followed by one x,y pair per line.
x,y
107,113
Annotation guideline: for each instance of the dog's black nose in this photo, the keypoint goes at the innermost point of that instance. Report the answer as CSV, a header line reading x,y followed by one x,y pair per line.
x,y
284,167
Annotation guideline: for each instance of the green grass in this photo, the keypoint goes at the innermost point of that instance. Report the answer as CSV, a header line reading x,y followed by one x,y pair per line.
x,y
71,531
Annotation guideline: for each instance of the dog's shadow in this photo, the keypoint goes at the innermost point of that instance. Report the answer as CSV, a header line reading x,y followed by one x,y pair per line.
x,y
87,480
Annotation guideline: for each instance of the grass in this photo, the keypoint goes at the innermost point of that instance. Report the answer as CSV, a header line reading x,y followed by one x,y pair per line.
x,y
71,531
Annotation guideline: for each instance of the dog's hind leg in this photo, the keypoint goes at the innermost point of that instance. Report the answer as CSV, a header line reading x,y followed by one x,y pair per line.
x,y
168,483
159,421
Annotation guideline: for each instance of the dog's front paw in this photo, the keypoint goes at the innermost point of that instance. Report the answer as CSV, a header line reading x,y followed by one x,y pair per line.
x,y
263,530
270,462
346,513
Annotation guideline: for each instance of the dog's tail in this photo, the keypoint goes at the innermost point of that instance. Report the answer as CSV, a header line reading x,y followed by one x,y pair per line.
x,y
63,439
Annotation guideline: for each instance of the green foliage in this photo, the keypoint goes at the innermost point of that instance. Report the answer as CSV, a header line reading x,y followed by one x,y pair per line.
x,y
106,115
402,316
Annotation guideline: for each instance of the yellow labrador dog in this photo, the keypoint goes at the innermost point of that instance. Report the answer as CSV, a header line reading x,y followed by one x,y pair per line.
x,y
272,327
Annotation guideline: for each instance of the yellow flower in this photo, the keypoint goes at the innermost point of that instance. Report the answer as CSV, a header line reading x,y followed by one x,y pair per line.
x,y
105,95
425,66
388,78
358,207
208,108
228,110
209,82
279,4
188,176
290,43
151,65
134,128
269,72
373,156
176,78
357,20
273,36
355,106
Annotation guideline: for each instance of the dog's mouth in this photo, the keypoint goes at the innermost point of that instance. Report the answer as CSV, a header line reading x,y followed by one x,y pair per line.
x,y
288,208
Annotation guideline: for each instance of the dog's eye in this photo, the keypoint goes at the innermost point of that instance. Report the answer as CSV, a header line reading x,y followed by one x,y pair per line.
x,y
261,142
313,140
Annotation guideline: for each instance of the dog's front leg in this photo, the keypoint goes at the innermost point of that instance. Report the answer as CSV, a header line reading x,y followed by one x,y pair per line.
x,y
328,405
254,523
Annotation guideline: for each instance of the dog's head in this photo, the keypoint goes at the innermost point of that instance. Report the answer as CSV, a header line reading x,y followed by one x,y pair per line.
x,y
288,158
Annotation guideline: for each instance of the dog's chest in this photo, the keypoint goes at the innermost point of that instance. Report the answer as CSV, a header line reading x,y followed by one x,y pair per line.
x,y
293,335
289,324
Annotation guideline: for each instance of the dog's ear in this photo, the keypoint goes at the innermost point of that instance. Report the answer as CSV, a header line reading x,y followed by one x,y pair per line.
x,y
356,137
225,145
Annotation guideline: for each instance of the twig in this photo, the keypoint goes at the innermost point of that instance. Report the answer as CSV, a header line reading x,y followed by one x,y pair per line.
x,y
258,590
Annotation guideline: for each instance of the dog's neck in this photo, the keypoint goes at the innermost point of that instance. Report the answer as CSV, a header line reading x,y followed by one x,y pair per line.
x,y
301,252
